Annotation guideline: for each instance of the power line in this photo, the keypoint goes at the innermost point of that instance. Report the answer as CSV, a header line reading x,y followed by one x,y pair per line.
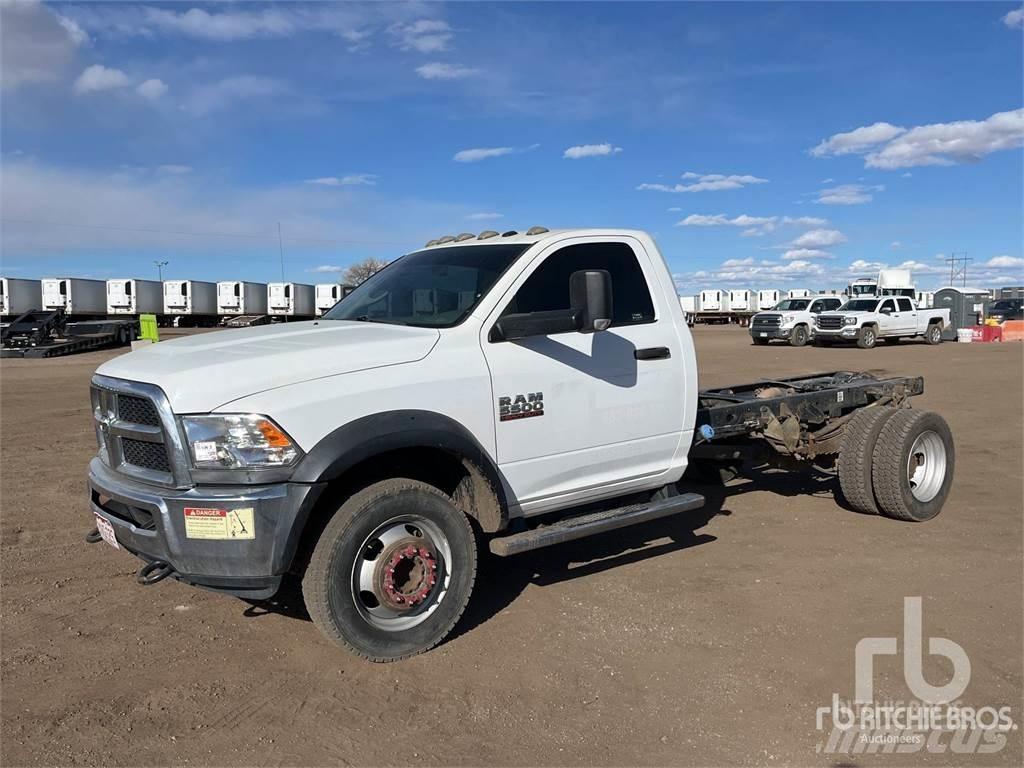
x,y
242,235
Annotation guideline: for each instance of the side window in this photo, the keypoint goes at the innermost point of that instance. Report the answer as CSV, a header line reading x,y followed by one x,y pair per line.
x,y
833,304
905,305
816,307
548,287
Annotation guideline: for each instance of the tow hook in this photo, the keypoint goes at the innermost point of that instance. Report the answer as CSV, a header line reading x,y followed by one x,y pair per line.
x,y
93,536
151,573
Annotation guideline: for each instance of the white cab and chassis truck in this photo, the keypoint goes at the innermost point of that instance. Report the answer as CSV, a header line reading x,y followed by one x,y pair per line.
x,y
886,318
516,390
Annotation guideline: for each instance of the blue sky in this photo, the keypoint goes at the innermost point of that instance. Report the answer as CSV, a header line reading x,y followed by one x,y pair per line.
x,y
763,144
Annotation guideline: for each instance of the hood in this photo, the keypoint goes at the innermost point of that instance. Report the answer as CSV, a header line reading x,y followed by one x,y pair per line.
x,y
201,372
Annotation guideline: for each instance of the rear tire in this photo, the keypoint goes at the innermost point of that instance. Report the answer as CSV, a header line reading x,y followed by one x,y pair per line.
x,y
799,336
392,572
934,334
912,466
854,465
867,337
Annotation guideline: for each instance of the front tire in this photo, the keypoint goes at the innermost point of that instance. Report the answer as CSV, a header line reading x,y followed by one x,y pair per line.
x,y
912,466
392,572
799,336
867,337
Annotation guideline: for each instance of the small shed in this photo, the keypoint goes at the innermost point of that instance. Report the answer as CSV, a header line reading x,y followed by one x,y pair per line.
x,y
966,308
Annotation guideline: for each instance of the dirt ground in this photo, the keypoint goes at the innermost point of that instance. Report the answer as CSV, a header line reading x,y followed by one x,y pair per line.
x,y
708,639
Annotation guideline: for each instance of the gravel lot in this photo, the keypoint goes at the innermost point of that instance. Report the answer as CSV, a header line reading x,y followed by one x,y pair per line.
x,y
709,639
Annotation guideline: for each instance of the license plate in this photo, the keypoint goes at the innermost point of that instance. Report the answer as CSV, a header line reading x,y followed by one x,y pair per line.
x,y
106,532
763,335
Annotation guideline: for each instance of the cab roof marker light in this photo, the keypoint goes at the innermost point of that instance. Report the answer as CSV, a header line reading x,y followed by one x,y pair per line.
x,y
537,230
464,236
510,233
430,243
486,234
446,239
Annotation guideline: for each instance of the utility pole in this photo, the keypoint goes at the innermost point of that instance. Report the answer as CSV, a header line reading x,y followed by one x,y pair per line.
x,y
958,267
280,248
160,269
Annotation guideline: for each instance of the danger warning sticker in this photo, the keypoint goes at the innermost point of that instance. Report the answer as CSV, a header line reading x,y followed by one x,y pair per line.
x,y
205,523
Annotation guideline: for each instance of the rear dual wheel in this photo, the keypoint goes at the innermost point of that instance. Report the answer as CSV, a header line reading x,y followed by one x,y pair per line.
x,y
897,462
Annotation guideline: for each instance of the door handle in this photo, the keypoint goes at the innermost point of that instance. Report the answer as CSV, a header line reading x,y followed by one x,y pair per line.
x,y
652,353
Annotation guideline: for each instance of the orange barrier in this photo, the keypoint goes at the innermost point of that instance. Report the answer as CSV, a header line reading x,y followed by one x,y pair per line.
x,y
1013,330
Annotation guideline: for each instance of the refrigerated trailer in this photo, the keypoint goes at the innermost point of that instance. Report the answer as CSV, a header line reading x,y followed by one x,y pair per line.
x,y
18,296
768,298
329,294
133,297
800,293
76,296
190,302
237,297
290,300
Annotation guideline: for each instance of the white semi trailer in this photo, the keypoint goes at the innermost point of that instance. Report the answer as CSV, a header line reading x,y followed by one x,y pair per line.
x,y
237,298
77,296
329,294
190,302
290,300
126,296
799,293
768,298
18,296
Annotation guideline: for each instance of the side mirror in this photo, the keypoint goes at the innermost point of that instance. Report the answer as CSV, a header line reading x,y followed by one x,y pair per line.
x,y
590,293
885,311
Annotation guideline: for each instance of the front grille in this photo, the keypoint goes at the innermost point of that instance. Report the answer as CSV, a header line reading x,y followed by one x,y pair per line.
x,y
767,321
137,410
146,455
830,322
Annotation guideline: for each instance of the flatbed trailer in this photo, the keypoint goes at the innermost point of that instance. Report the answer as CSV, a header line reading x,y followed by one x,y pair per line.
x,y
801,417
37,334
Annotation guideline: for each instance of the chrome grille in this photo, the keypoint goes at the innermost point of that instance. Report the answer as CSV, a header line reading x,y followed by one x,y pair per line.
x,y
830,322
137,410
136,432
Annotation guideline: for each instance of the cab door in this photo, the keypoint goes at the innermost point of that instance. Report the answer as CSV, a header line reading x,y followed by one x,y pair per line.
x,y
906,316
888,321
584,415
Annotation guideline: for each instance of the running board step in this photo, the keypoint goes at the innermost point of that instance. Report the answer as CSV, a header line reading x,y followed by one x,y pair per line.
x,y
595,522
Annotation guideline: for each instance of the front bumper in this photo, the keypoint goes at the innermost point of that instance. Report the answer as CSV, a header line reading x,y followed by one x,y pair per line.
x,y
847,332
770,332
149,522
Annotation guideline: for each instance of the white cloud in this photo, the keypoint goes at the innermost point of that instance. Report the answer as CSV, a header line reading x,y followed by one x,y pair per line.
x,y
437,70
174,169
351,180
806,253
857,141
151,89
708,182
819,238
890,147
483,153
738,262
675,209
849,194
1007,262
754,226
485,216
590,150
100,78
1014,19
36,44
326,268
423,35
806,221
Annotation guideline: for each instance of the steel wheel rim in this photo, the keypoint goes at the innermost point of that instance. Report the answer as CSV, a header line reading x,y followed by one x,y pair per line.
x,y
375,591
869,337
926,466
934,333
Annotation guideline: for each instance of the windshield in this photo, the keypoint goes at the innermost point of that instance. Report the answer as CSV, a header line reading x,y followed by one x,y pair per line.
x,y
863,290
793,305
1004,304
429,289
859,305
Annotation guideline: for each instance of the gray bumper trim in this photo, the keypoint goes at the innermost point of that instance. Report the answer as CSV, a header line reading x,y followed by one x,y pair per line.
x,y
153,528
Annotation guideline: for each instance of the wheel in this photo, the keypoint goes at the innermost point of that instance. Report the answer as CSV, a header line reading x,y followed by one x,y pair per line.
x,y
934,334
912,466
392,571
867,338
854,463
799,336
759,342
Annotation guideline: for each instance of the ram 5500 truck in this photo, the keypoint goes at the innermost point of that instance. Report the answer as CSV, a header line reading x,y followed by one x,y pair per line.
x,y
518,390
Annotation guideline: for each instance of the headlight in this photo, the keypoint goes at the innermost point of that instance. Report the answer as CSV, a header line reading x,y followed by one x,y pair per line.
x,y
787,319
849,320
237,441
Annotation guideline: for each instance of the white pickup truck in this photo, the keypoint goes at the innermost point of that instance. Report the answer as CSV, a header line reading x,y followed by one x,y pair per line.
x,y
517,390
889,318
791,320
